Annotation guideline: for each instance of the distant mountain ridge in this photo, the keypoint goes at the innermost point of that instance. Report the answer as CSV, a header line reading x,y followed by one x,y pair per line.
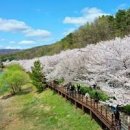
x,y
8,51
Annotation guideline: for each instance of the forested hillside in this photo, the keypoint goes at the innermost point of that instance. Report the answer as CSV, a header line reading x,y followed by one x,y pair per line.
x,y
103,28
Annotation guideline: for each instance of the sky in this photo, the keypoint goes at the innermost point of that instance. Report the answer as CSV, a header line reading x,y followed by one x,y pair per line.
x,y
29,23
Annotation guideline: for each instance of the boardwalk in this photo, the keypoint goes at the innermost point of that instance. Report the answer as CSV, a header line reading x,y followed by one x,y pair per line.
x,y
97,111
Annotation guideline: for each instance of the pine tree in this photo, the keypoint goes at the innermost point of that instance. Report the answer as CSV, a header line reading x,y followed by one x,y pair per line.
x,y
38,77
1,65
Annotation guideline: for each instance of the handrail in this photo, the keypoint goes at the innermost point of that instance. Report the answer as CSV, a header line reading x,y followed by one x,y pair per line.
x,y
106,117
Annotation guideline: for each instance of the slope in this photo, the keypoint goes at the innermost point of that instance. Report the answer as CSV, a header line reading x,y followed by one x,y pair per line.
x,y
34,111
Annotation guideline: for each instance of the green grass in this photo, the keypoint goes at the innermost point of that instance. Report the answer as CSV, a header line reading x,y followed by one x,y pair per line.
x,y
3,89
45,111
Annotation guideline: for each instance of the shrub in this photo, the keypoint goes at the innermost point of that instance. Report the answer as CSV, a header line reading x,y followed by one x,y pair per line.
x,y
126,109
59,81
14,67
14,78
1,65
92,92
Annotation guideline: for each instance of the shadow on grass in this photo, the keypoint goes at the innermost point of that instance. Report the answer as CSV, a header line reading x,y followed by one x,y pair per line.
x,y
23,92
40,91
7,96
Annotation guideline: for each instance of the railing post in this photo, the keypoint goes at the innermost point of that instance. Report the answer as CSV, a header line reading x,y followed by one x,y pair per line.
x,y
97,105
82,97
112,118
91,102
106,113
101,109
86,100
75,95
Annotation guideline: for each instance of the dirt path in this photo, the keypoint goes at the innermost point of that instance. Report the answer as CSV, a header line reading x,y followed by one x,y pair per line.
x,y
1,112
5,114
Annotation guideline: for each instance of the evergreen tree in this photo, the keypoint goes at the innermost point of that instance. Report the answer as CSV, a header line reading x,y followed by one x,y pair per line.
x,y
1,65
38,77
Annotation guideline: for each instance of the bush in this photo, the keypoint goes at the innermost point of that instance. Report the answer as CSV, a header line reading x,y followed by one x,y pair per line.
x,y
59,81
126,109
13,78
1,65
92,92
14,67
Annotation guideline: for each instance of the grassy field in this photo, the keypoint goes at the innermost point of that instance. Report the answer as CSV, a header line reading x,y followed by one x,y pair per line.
x,y
44,111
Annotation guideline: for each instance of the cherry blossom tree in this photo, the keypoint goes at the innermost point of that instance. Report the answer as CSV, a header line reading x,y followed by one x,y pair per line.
x,y
105,62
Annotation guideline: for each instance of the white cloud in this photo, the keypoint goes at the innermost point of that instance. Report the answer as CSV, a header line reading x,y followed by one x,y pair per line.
x,y
88,15
12,25
37,33
26,42
12,47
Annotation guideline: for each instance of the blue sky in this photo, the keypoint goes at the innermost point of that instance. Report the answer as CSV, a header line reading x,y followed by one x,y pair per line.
x,y
28,23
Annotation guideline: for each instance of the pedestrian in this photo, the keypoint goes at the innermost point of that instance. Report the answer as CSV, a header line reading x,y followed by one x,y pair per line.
x,y
78,88
117,117
95,86
96,97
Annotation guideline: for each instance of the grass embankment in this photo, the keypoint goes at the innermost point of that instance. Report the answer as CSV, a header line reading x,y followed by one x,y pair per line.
x,y
3,89
44,111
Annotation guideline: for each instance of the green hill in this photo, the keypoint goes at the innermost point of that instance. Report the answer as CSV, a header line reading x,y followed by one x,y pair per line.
x,y
103,28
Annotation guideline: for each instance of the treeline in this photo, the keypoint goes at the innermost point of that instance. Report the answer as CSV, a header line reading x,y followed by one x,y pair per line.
x,y
103,28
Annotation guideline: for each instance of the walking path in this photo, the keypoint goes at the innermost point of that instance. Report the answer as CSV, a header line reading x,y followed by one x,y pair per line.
x,y
96,110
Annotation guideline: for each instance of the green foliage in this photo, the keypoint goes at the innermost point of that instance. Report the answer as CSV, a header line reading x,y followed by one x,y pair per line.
x,y
126,109
14,67
38,77
1,65
92,92
13,78
3,88
59,81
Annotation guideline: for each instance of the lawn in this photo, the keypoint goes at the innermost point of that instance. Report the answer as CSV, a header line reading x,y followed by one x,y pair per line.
x,y
44,111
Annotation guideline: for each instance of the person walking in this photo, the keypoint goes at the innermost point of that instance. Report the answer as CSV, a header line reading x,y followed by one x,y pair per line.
x,y
117,117
78,88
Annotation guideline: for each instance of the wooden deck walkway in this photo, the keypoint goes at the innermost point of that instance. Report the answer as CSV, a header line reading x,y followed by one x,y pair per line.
x,y
96,110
